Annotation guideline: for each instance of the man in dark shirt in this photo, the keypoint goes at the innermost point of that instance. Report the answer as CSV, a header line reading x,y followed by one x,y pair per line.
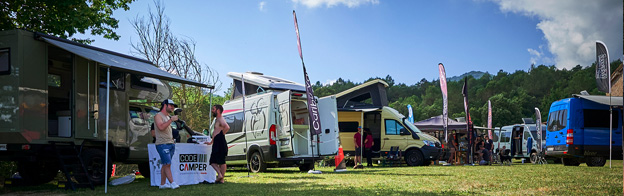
x,y
488,146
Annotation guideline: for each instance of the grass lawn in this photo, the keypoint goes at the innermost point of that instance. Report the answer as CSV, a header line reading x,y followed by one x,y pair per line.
x,y
519,179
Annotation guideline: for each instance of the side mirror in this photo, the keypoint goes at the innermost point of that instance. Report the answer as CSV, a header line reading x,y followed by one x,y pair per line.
x,y
403,131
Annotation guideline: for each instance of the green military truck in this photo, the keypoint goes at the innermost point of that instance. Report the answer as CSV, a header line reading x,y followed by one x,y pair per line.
x,y
53,93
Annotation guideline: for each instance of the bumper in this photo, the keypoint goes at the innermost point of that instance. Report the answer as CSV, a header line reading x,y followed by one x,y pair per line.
x,y
430,152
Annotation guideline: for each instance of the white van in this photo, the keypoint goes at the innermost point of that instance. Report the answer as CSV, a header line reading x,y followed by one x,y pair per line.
x,y
504,137
277,122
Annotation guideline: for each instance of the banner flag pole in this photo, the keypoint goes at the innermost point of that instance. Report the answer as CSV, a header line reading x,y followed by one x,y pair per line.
x,y
315,120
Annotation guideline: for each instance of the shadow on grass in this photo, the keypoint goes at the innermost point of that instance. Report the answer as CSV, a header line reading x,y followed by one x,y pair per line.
x,y
296,177
315,189
420,175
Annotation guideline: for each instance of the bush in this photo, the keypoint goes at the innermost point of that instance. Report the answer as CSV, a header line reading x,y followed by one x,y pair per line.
x,y
7,169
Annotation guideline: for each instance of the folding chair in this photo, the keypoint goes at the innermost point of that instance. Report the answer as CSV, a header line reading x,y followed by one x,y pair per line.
x,y
506,157
393,157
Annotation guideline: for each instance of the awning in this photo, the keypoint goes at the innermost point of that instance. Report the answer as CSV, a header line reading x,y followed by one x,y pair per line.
x,y
117,61
435,124
601,99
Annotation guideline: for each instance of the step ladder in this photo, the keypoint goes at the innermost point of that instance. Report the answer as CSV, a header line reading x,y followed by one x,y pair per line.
x,y
72,166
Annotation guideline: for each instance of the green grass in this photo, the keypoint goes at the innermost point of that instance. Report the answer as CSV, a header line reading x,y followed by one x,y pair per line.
x,y
519,179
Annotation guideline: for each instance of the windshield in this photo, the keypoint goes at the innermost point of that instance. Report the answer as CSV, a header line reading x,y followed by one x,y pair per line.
x,y
411,126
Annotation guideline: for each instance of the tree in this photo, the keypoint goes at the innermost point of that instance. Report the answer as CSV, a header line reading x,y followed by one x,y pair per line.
x,y
63,18
177,56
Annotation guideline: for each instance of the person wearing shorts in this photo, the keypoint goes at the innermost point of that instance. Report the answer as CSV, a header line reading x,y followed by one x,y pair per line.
x,y
165,144
357,140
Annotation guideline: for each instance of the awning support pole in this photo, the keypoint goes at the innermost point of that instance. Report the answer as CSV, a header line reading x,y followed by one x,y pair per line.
x,y
107,119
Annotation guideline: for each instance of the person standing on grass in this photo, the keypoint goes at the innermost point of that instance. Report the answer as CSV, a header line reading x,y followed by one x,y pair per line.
x,y
219,144
368,144
452,144
489,146
357,140
165,144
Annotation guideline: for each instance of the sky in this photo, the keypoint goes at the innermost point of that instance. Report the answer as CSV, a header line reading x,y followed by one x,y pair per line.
x,y
406,39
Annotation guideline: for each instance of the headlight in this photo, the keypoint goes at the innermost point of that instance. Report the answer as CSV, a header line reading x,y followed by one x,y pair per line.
x,y
429,143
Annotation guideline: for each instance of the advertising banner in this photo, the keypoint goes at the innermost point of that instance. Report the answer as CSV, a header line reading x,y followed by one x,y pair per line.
x,y
189,164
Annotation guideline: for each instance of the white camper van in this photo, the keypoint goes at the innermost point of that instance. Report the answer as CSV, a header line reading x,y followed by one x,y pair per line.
x,y
276,121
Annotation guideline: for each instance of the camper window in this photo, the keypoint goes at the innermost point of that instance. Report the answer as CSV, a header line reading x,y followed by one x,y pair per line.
x,y
249,89
54,80
598,118
505,137
557,120
117,79
5,61
393,127
235,121
137,83
348,126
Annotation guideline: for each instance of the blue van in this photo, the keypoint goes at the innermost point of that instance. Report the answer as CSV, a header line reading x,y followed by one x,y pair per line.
x,y
578,130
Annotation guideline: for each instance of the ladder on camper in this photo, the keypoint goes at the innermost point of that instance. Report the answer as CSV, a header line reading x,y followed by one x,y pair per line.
x,y
72,166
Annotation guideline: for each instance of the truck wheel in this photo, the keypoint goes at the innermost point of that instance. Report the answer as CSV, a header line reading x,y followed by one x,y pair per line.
x,y
144,168
305,167
93,160
533,157
39,172
570,162
414,158
596,161
256,163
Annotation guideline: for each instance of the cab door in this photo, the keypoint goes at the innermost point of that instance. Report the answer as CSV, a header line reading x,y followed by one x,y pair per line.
x,y
328,139
283,119
391,136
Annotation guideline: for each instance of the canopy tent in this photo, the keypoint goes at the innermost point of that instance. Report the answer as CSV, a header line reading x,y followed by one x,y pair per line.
x,y
435,124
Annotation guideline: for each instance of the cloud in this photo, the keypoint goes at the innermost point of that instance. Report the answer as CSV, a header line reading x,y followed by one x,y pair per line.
x,y
571,28
261,5
538,57
329,82
332,3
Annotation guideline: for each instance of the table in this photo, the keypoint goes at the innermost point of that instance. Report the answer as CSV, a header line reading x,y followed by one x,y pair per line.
x,y
189,164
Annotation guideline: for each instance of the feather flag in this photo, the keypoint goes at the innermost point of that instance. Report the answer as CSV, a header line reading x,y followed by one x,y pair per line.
x,y
315,120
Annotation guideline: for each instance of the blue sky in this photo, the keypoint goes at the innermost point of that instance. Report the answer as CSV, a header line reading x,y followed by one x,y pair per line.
x,y
359,39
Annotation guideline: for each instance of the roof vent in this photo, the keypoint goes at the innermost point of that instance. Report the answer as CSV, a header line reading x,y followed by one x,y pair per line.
x,y
255,73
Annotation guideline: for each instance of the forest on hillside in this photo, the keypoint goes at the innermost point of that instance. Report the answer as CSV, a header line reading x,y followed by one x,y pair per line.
x,y
513,95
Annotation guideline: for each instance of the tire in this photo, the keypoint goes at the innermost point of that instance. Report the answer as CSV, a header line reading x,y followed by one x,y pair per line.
x,y
570,162
414,158
144,168
256,163
595,161
93,160
533,157
39,172
305,167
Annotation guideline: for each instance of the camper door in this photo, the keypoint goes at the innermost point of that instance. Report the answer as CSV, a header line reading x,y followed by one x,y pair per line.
x,y
328,139
284,118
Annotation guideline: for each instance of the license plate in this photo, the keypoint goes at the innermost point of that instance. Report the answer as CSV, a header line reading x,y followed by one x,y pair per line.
x,y
3,147
550,149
